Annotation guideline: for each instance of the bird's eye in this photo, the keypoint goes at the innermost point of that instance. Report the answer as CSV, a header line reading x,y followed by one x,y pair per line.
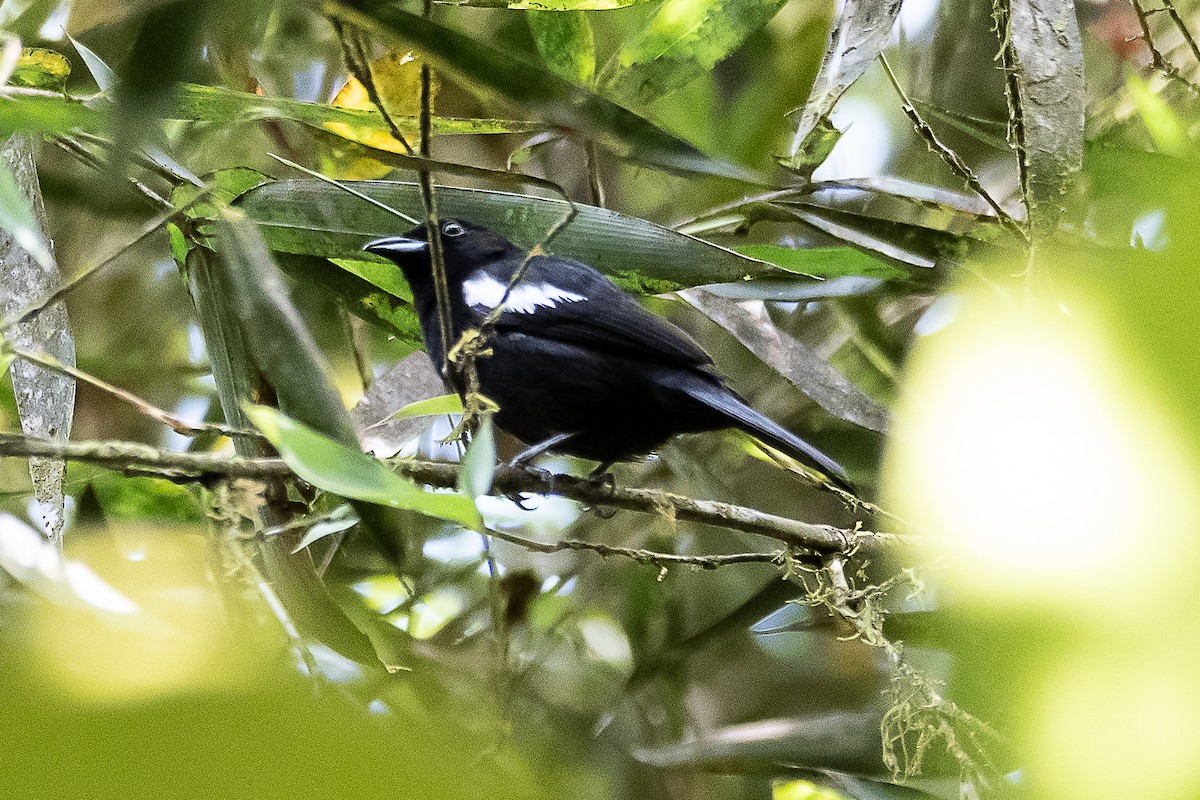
x,y
453,229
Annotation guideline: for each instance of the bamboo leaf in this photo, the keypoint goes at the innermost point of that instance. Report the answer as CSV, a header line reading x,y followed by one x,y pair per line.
x,y
48,115
104,75
310,217
684,40
479,462
802,367
220,105
859,35
554,5
349,472
823,262
433,406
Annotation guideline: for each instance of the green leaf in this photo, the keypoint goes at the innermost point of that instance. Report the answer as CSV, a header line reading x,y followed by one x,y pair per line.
x,y
348,472
684,40
310,217
861,32
38,68
216,104
823,262
432,406
558,101
342,518
104,75
479,463
566,44
1162,122
6,360
16,217
48,115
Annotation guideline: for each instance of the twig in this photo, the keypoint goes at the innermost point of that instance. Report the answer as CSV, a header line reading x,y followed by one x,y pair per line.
x,y
662,560
92,160
948,156
182,427
594,183
509,480
1157,60
1169,7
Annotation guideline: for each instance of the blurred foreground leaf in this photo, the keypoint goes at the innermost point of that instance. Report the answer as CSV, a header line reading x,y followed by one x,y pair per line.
x,y
562,103
349,472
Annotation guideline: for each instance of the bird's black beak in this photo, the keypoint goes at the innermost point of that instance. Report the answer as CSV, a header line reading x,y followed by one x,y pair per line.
x,y
393,246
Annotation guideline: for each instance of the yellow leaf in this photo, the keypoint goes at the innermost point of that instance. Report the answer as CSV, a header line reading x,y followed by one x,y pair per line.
x,y
397,78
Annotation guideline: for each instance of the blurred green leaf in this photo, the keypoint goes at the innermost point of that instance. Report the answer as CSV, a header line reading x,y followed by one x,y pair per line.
x,y
558,101
39,68
310,217
1162,122
6,360
52,116
566,44
348,472
479,462
859,35
684,40
16,217
823,262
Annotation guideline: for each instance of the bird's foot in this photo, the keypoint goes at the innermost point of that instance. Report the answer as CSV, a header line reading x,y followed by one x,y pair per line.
x,y
603,481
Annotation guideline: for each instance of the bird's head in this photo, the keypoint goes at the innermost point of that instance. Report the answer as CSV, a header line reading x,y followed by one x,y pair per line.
x,y
466,247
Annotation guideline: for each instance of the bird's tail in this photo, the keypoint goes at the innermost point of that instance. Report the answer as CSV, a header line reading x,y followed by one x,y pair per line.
x,y
742,416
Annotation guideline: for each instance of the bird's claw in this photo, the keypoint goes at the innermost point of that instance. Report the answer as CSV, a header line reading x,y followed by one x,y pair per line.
x,y
605,484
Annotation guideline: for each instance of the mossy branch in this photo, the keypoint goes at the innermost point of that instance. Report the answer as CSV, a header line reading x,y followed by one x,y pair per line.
x,y
199,467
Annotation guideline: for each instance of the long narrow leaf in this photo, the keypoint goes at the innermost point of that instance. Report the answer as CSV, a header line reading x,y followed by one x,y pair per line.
x,y
310,217
858,37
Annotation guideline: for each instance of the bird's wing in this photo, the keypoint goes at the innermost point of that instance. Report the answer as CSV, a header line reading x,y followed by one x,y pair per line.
x,y
567,301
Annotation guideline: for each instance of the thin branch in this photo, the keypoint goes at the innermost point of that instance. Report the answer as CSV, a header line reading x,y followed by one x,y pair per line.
x,y
182,427
594,182
1169,7
360,66
509,480
1159,61
661,560
90,159
948,156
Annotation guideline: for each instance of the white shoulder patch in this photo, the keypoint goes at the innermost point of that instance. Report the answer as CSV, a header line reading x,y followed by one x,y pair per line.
x,y
483,291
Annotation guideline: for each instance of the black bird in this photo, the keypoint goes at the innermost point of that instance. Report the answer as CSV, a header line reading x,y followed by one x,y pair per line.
x,y
577,366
